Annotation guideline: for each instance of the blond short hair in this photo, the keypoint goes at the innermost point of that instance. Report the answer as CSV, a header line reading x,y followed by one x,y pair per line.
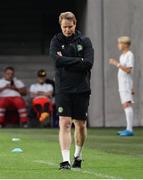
x,y
67,15
125,40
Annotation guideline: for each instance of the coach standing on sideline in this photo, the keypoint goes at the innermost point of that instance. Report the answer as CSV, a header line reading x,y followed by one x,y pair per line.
x,y
73,56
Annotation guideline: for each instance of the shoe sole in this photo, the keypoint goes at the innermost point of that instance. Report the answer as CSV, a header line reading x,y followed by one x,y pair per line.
x,y
65,169
122,135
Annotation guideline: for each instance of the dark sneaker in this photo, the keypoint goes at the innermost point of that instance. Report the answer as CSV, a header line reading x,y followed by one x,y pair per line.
x,y
76,163
65,165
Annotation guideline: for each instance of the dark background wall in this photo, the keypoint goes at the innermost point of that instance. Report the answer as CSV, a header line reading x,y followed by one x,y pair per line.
x,y
28,26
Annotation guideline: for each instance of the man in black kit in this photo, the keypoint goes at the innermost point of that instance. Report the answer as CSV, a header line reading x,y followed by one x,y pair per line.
x,y
73,56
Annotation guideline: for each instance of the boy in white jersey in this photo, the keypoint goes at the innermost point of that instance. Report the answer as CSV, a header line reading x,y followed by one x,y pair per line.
x,y
125,82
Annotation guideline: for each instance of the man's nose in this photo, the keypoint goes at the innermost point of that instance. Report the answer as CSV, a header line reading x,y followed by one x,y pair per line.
x,y
67,29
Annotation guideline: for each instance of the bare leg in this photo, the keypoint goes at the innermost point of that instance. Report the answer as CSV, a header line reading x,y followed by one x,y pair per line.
x,y
65,137
80,137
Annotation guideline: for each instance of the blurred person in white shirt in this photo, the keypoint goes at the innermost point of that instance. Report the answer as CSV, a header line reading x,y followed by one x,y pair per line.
x,y
125,66
11,92
41,94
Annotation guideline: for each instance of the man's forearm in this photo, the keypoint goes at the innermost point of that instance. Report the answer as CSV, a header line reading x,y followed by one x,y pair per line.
x,y
6,87
80,67
86,63
1,89
22,91
63,61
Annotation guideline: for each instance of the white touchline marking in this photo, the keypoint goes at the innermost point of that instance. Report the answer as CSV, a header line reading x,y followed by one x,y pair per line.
x,y
78,170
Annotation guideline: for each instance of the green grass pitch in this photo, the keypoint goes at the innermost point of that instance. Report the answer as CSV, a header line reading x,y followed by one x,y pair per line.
x,y
105,155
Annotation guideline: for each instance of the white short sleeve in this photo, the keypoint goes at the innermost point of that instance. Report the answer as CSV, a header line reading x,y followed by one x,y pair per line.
x,y
50,87
19,84
33,89
3,83
130,62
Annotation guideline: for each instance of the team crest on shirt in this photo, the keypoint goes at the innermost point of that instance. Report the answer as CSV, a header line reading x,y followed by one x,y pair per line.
x,y
60,109
79,47
63,46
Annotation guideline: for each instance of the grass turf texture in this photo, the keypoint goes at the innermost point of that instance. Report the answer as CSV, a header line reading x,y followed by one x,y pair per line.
x,y
105,155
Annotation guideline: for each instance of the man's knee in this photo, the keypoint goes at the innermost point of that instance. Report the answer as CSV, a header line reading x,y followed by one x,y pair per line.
x,y
65,123
80,125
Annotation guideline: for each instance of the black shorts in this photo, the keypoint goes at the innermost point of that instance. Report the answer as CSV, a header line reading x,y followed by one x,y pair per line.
x,y
73,105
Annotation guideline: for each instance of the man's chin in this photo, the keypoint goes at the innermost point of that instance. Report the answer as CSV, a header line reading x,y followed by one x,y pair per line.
x,y
68,35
